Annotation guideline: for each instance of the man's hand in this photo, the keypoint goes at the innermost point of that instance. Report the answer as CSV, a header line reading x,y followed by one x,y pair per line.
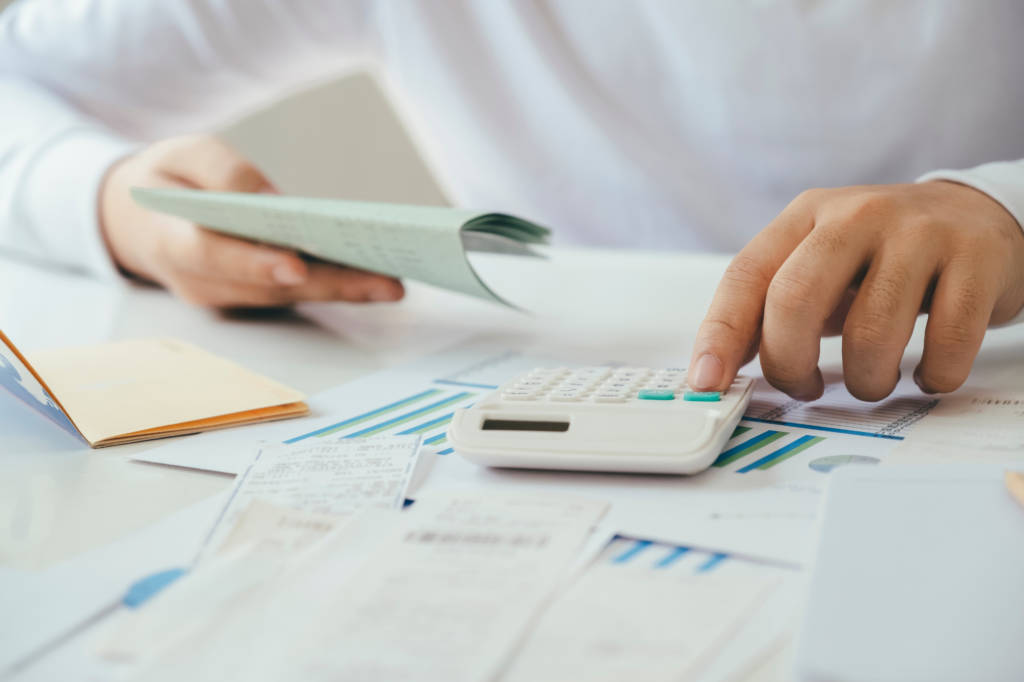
x,y
865,262
204,267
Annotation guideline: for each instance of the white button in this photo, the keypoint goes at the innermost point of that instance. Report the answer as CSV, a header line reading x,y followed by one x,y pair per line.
x,y
609,397
565,396
575,385
533,384
518,395
673,375
545,374
662,386
620,385
591,372
616,389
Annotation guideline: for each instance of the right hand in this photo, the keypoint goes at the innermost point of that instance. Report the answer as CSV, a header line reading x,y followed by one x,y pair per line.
x,y
204,267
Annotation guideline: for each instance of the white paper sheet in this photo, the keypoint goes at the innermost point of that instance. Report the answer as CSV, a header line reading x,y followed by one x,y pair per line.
x,y
975,426
320,476
445,595
628,619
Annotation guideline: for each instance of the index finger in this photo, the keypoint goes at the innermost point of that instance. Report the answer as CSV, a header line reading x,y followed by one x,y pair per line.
x,y
728,336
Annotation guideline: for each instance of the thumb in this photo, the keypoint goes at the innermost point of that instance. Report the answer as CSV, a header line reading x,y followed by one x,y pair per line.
x,y
208,162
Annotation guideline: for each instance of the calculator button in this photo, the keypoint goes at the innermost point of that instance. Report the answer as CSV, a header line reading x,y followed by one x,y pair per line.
x,y
596,373
620,385
625,390
518,395
533,385
702,396
647,394
609,397
551,374
665,386
672,376
576,385
565,396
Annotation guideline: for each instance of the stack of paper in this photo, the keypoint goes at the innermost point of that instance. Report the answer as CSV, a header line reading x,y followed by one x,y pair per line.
x,y
142,389
425,243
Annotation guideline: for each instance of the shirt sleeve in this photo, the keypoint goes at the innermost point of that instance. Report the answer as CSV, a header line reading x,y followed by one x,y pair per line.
x,y
83,83
1003,181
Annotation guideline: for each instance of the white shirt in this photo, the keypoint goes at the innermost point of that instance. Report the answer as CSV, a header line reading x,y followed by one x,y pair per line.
x,y
655,124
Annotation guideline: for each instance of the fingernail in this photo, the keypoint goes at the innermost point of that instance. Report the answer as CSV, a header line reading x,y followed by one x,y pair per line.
x,y
706,372
287,275
920,385
382,295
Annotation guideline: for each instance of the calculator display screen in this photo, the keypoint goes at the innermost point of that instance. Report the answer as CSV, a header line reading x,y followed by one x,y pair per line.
x,y
517,425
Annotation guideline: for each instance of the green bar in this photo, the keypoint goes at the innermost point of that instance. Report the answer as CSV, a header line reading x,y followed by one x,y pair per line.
x,y
753,448
431,426
795,451
377,413
395,425
740,430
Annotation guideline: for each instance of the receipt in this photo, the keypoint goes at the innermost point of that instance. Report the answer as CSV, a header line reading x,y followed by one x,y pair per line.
x,y
445,592
449,595
322,477
978,426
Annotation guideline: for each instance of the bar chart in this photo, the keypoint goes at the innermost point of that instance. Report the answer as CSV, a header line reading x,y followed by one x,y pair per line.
x,y
427,413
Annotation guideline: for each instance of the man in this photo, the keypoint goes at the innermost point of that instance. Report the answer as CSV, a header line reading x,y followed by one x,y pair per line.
x,y
657,124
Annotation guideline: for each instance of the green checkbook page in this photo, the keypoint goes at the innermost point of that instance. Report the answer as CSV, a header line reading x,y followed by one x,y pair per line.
x,y
425,243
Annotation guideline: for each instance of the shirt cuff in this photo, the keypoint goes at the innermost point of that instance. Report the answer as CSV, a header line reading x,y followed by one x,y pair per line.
x,y
61,197
1004,182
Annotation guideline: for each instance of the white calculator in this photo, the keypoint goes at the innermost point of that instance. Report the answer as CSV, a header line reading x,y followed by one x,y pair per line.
x,y
631,419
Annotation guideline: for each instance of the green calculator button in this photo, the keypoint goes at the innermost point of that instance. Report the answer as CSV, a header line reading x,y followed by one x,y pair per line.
x,y
702,396
656,395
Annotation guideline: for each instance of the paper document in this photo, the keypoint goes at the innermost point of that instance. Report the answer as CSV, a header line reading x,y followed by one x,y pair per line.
x,y
839,412
425,243
445,593
974,426
322,477
142,389
641,612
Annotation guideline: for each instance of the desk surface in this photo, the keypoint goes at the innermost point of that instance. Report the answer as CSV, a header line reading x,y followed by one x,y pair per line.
x,y
58,500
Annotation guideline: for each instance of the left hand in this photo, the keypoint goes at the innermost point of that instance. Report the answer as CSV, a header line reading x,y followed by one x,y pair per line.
x,y
865,262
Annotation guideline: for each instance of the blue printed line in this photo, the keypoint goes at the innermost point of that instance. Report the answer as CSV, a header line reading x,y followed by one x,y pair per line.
x,y
822,428
448,382
772,456
446,452
631,553
410,415
426,426
434,439
673,557
363,417
711,563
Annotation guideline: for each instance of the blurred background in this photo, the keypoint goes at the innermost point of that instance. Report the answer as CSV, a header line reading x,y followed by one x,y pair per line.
x,y
341,140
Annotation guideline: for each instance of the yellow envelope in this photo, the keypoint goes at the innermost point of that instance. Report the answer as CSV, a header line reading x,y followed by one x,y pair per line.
x,y
136,390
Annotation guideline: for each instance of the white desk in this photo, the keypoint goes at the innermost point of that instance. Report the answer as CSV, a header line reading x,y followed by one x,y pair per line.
x,y
58,500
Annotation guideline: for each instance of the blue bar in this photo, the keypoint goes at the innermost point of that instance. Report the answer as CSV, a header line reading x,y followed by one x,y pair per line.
x,y
446,452
822,428
448,382
403,417
775,455
630,553
426,426
675,556
434,439
362,417
743,446
711,563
